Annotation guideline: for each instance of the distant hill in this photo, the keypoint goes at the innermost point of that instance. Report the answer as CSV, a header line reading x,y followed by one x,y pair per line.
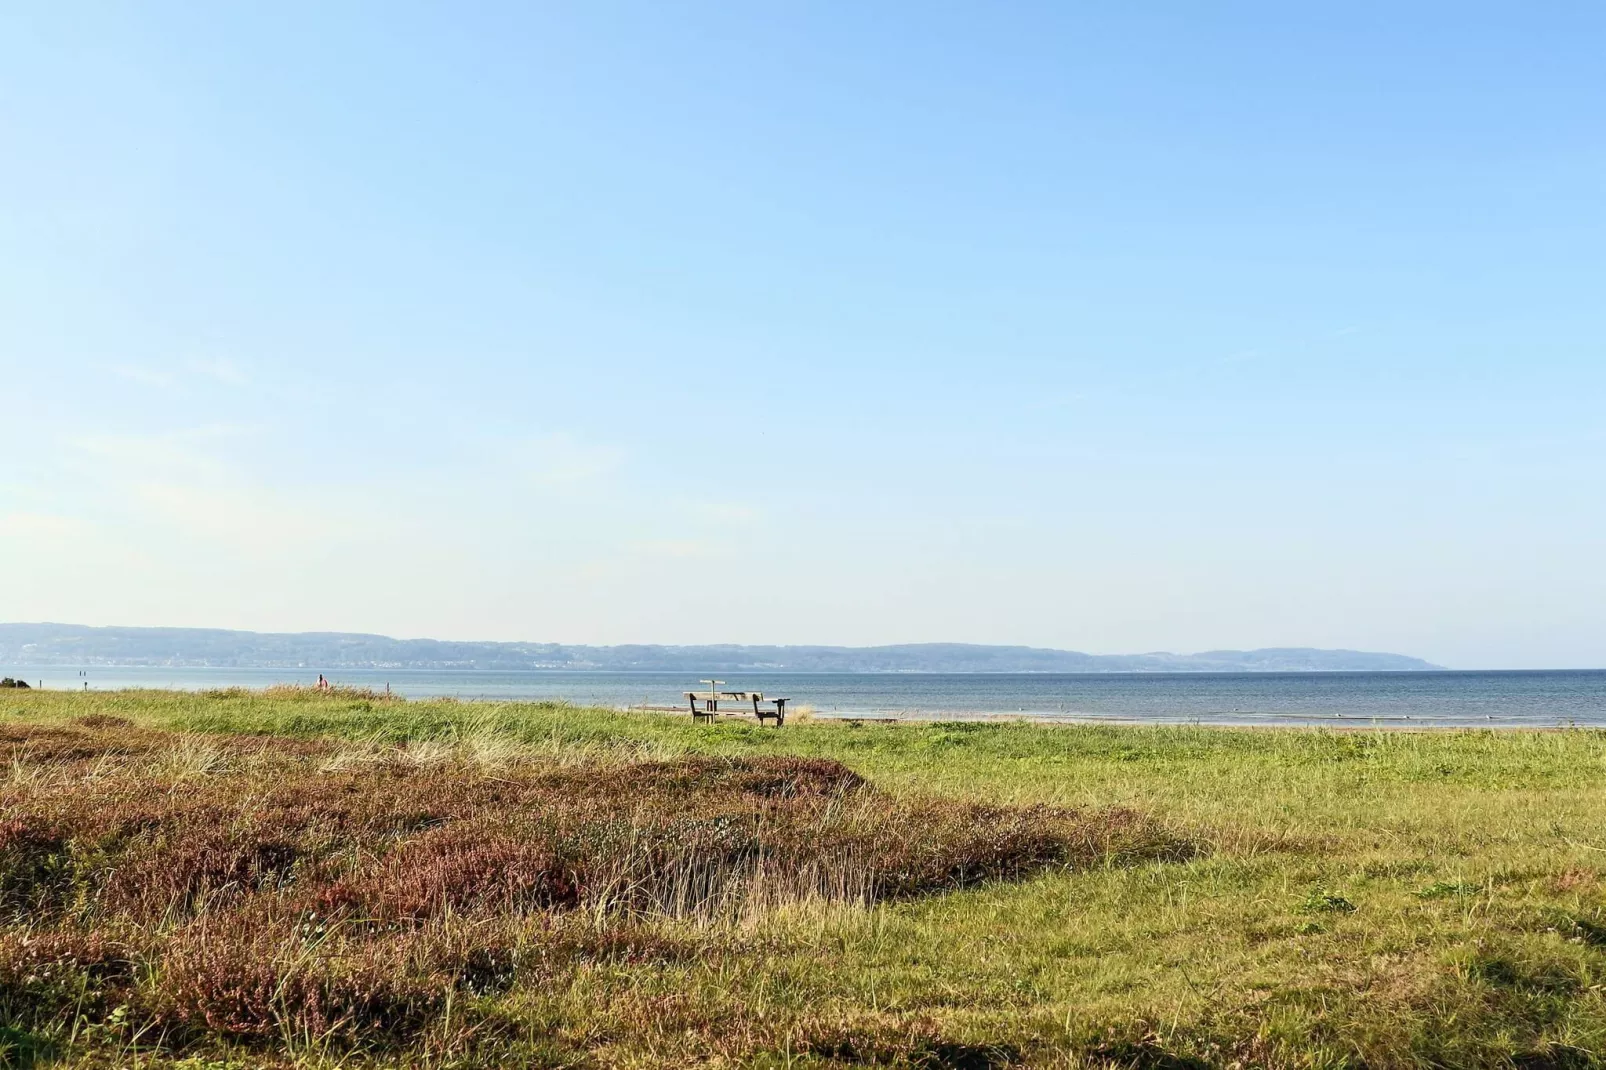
x,y
72,644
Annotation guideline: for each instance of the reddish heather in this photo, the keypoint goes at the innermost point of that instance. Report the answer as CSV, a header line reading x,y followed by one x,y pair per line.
x,y
255,889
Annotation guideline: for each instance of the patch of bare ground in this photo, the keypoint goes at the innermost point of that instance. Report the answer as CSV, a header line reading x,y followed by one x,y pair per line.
x,y
184,891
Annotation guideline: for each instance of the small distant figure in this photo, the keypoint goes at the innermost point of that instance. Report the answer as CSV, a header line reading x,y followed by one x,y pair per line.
x,y
323,684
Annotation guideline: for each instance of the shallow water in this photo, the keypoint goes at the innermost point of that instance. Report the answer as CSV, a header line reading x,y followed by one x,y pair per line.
x,y
1479,699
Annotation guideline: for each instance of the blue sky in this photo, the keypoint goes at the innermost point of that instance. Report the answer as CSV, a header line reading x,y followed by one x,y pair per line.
x,y
1110,327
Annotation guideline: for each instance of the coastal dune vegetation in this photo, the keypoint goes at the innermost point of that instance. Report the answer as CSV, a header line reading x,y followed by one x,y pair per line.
x,y
303,878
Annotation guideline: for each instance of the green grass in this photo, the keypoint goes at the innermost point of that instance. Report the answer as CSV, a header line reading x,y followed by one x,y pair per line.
x,y
1370,899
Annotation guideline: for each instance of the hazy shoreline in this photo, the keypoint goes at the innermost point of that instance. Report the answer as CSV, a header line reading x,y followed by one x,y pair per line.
x,y
78,645
1518,699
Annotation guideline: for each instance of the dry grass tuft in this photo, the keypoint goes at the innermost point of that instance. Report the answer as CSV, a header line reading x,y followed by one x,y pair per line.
x,y
306,693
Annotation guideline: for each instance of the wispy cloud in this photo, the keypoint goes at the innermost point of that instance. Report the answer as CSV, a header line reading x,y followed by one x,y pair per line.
x,y
134,373
184,481
670,548
179,374
560,458
727,512
222,370
1254,353
188,450
255,520
1061,399
41,525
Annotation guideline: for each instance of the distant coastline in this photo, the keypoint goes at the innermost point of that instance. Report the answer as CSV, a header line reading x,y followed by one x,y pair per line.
x,y
45,644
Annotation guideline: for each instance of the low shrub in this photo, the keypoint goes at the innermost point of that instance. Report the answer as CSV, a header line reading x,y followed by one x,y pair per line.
x,y
45,975
35,866
243,975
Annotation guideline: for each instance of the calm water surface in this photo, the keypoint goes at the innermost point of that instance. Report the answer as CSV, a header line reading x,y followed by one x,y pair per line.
x,y
1481,699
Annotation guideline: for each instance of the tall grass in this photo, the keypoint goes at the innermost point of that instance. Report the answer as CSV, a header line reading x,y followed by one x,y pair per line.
x,y
199,891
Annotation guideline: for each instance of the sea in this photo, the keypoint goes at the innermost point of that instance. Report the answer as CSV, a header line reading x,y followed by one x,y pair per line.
x,y
1507,699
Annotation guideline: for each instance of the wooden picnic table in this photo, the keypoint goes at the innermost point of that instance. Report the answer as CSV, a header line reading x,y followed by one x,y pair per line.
x,y
711,699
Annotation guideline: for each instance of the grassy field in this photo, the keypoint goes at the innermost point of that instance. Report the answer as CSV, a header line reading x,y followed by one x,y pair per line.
x,y
311,880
